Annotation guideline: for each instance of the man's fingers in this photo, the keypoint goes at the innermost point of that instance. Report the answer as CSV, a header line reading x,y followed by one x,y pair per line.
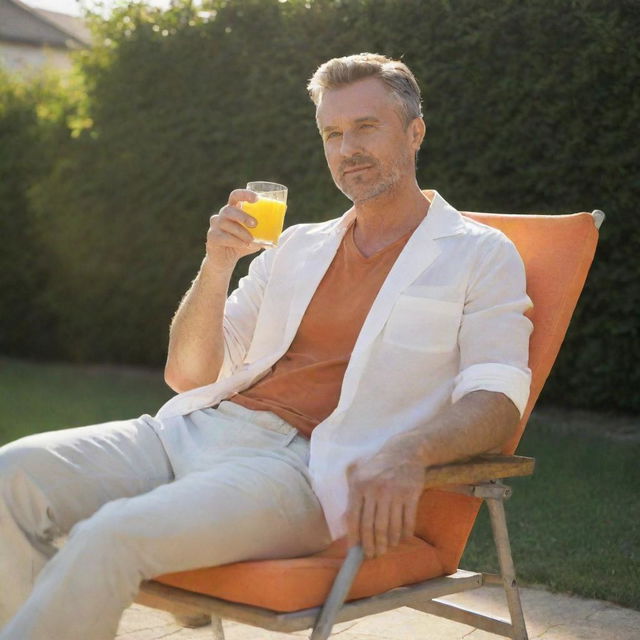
x,y
235,238
235,215
395,522
235,229
382,507
381,524
409,516
228,234
367,523
354,515
231,222
242,195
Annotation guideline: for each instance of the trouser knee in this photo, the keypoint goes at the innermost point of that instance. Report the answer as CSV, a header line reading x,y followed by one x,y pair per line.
x,y
23,456
22,482
103,543
113,529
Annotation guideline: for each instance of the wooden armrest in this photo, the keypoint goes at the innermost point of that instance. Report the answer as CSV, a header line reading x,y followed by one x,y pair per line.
x,y
488,466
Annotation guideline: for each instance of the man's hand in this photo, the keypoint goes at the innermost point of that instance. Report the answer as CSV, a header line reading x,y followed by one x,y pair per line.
x,y
227,239
383,497
384,489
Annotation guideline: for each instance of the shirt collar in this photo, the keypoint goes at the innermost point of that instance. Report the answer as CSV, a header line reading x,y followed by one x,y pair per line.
x,y
441,220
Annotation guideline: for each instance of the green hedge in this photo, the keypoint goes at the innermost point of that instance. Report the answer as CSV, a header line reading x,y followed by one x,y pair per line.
x,y
32,119
531,106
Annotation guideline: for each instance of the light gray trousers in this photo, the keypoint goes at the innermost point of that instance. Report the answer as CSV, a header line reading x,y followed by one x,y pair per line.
x,y
138,500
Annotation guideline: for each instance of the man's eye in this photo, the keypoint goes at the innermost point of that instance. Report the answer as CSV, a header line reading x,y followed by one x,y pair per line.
x,y
332,134
366,126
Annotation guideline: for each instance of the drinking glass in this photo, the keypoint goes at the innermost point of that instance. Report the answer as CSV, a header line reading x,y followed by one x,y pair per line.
x,y
268,210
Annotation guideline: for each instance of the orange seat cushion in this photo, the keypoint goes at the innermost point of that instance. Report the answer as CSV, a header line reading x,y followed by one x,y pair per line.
x,y
299,583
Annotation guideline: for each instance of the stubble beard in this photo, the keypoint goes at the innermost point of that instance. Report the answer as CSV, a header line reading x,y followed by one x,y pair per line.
x,y
387,182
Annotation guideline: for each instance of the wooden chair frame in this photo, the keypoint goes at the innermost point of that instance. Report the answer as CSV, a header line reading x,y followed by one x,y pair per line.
x,y
478,477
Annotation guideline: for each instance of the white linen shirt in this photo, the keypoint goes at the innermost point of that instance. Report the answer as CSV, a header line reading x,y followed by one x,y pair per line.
x,y
448,320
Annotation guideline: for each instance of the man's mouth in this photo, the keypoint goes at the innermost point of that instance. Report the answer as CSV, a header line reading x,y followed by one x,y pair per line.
x,y
356,169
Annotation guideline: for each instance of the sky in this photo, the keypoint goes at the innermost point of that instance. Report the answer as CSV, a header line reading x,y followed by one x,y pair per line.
x,y
72,7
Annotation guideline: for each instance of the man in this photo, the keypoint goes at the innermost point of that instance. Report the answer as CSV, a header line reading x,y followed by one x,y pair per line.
x,y
353,355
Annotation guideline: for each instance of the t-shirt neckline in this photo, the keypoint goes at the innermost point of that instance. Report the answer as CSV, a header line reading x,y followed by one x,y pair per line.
x,y
349,237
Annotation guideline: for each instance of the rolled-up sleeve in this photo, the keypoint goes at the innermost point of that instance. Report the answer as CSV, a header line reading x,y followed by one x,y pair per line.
x,y
494,333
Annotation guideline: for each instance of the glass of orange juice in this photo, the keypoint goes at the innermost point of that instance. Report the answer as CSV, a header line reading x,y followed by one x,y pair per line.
x,y
268,210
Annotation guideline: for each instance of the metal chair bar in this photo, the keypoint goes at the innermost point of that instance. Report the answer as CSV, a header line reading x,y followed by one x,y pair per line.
x,y
507,570
172,599
447,610
338,594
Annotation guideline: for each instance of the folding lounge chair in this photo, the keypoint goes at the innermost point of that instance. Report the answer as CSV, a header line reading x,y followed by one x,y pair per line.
x,y
310,592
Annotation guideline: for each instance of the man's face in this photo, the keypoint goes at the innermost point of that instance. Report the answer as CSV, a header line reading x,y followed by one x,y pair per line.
x,y
367,146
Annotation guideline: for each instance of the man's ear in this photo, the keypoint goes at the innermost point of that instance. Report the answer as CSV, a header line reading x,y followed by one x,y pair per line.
x,y
418,130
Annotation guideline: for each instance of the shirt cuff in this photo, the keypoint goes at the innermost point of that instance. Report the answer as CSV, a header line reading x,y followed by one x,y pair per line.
x,y
492,376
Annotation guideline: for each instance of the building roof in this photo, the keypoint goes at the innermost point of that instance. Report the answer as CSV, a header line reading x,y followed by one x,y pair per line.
x,y
30,25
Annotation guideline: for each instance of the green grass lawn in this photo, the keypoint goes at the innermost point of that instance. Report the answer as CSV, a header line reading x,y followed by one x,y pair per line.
x,y
574,525
41,397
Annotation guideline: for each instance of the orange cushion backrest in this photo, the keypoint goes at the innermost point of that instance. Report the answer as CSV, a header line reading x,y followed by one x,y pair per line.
x,y
557,252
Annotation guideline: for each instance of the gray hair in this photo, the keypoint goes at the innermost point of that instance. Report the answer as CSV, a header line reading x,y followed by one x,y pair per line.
x,y
396,76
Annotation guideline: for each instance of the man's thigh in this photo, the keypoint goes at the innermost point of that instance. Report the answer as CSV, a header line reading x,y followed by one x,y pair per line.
x,y
75,471
249,505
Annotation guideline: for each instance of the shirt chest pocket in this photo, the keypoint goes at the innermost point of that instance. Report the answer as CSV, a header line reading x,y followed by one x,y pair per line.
x,y
424,324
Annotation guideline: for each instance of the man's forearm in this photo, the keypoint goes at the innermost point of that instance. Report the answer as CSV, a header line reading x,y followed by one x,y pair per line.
x,y
385,488
196,341
479,422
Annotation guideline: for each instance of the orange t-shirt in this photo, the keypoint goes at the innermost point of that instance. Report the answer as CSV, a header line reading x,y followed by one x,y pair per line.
x,y
303,387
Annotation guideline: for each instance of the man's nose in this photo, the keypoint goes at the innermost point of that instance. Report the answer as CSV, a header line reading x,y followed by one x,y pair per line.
x,y
349,146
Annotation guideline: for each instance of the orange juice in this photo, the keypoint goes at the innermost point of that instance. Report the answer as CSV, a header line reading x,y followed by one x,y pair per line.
x,y
270,216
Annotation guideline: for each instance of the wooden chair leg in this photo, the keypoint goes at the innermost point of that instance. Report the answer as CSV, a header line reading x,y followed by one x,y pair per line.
x,y
507,570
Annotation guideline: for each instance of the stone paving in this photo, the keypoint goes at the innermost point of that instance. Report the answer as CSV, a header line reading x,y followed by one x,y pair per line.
x,y
549,617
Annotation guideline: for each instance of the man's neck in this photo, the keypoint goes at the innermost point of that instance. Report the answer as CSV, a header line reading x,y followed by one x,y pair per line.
x,y
382,220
